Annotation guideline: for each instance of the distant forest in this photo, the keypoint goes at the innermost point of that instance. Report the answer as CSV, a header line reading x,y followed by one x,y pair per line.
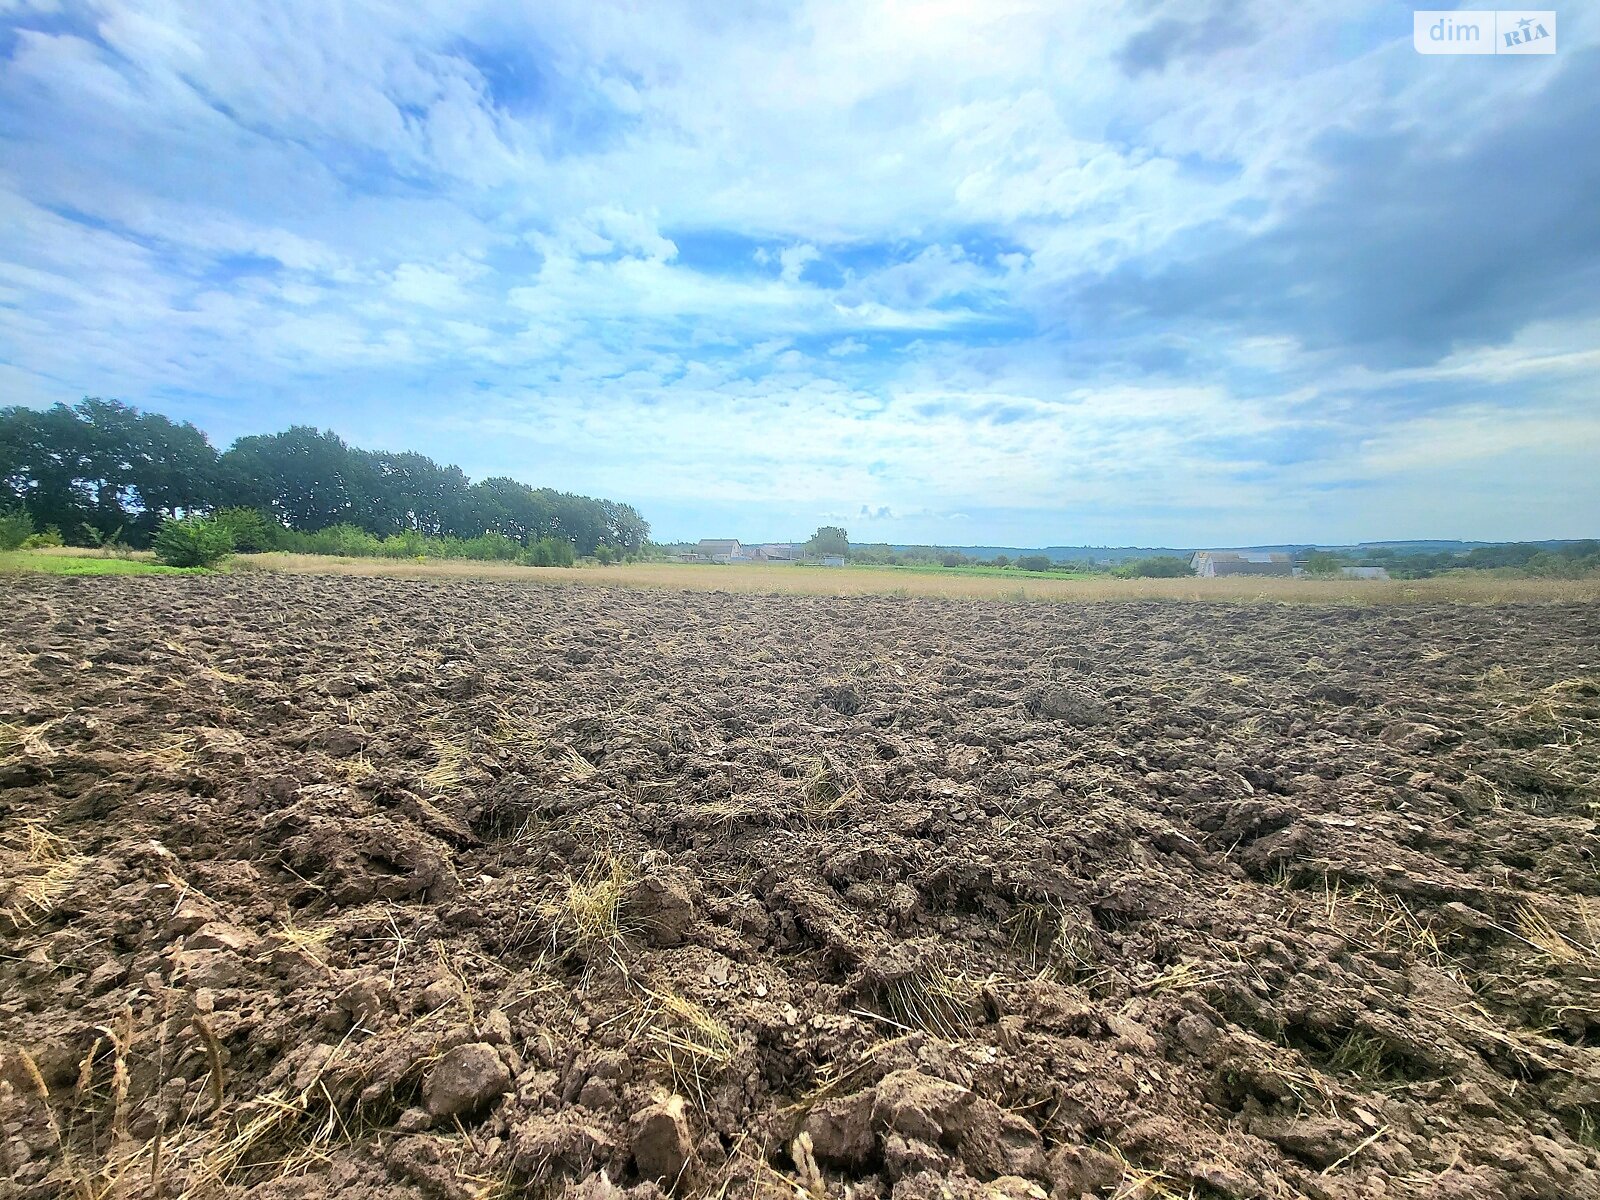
x,y
102,470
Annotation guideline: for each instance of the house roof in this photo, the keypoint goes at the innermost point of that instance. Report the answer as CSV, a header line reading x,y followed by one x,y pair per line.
x,y
1250,556
718,545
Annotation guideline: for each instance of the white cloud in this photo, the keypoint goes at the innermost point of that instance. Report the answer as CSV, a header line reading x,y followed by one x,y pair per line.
x,y
242,204
435,287
794,259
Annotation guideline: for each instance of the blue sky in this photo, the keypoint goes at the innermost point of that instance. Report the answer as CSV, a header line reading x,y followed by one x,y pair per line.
x,y
995,273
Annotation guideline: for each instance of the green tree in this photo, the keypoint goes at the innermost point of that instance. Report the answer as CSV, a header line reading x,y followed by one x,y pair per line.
x,y
1034,562
104,465
101,466
16,527
305,477
829,539
510,508
248,527
1323,564
192,542
145,467
625,528
411,491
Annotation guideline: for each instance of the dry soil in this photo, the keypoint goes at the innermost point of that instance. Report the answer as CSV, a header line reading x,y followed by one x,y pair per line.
x,y
388,888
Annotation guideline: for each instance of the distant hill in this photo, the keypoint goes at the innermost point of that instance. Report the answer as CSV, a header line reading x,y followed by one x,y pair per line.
x,y
1120,554
1117,554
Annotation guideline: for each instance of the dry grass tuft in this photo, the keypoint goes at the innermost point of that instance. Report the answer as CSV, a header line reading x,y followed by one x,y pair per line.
x,y
826,791
1184,976
1543,935
1359,1054
519,735
355,770
312,941
1550,739
176,753
588,919
450,759
574,765
1145,1183
933,998
282,1134
40,875
98,1155
25,739
735,810
690,1044
1377,920
1052,942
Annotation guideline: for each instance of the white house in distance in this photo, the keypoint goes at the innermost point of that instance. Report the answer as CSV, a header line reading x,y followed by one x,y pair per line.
x,y
731,550
721,550
1212,563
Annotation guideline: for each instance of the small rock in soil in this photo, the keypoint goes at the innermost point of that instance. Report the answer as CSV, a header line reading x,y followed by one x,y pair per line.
x,y
661,1143
465,1080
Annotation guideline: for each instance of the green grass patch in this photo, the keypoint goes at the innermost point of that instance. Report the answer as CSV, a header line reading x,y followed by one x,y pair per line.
x,y
62,564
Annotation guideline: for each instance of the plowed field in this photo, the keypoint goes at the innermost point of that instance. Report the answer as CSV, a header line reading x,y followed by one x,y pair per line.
x,y
386,888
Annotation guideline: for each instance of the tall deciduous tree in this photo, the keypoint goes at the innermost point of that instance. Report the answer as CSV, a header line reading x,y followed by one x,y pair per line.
x,y
104,464
830,539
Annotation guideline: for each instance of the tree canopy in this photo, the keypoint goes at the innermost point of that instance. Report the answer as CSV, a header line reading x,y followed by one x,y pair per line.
x,y
105,466
830,539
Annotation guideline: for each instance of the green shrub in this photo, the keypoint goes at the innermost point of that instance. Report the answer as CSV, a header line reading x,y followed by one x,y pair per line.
x,y
192,542
107,543
16,527
406,544
342,541
49,536
1034,562
1160,566
490,546
548,552
351,541
248,527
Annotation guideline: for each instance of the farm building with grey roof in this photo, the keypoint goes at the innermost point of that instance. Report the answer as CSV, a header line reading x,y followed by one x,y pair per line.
x,y
1211,563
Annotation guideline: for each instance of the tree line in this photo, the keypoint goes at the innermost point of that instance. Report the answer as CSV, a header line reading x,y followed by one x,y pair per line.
x,y
103,470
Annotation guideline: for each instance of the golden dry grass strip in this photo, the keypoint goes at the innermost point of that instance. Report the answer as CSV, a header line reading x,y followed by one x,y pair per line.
x,y
1461,587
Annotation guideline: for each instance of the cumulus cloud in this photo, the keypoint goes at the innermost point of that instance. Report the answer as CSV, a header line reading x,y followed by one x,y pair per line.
x,y
752,264
1414,243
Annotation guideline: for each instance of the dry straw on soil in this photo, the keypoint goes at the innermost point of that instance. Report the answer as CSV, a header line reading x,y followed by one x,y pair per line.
x,y
1461,587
